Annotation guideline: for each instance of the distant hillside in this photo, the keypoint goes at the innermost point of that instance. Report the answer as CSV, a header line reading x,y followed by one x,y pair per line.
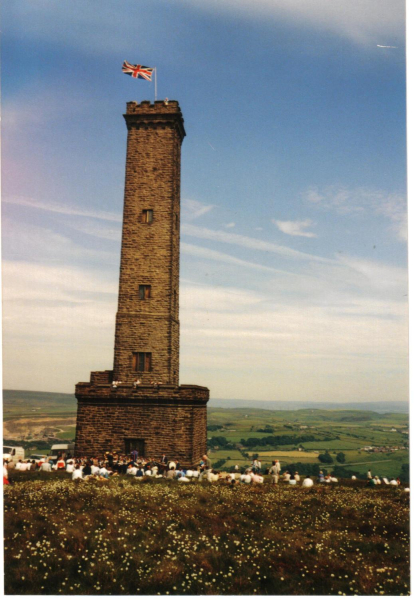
x,y
378,407
18,401
25,403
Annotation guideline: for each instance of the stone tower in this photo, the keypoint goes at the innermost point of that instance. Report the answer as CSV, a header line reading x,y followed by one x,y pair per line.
x,y
147,326
156,416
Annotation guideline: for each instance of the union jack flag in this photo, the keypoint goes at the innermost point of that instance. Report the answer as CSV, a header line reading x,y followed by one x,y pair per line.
x,y
137,71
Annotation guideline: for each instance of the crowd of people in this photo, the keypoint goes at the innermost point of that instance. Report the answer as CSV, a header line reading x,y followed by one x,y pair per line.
x,y
372,481
114,464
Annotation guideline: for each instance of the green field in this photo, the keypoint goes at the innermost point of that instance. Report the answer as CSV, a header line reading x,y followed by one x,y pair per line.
x,y
334,430
348,432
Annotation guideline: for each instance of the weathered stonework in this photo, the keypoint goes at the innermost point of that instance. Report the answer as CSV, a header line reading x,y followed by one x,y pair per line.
x,y
170,419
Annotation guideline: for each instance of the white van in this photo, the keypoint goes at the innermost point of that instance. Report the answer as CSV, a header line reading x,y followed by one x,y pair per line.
x,y
61,450
13,452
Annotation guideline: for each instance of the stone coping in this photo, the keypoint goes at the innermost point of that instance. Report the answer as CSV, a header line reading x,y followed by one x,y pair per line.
x,y
187,394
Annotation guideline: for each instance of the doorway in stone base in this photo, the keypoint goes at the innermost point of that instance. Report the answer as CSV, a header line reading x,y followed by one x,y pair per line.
x,y
135,444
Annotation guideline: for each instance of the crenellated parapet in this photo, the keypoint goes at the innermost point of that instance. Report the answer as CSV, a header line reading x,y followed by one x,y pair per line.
x,y
150,116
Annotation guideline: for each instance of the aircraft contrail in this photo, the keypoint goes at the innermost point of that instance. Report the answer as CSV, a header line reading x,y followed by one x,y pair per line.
x,y
378,46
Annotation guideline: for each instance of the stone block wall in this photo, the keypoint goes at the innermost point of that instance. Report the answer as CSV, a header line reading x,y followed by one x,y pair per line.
x,y
169,420
150,251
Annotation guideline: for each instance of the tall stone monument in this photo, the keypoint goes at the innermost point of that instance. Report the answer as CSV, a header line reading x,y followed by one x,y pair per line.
x,y
156,415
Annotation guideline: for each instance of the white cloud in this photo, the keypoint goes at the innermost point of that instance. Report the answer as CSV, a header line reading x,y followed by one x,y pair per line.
x,y
347,323
359,201
377,275
340,199
293,350
27,281
62,209
193,209
46,106
62,317
295,227
99,229
43,245
217,300
81,26
230,225
394,208
365,23
222,257
248,242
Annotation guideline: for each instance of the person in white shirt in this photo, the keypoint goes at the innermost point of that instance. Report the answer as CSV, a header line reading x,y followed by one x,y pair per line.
x,y
94,470
70,467
103,472
131,470
274,472
77,473
256,478
307,482
46,466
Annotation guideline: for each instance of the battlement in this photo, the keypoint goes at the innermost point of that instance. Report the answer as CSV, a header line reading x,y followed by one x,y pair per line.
x,y
159,106
159,114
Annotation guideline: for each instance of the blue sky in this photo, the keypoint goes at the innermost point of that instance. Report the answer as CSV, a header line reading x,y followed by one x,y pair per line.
x,y
293,255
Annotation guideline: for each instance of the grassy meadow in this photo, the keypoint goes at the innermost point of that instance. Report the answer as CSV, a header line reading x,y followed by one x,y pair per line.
x,y
122,537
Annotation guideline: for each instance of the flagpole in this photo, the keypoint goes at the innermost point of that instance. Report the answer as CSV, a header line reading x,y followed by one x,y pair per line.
x,y
155,86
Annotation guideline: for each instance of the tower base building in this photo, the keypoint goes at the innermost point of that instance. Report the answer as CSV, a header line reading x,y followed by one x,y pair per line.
x,y
140,404
170,420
